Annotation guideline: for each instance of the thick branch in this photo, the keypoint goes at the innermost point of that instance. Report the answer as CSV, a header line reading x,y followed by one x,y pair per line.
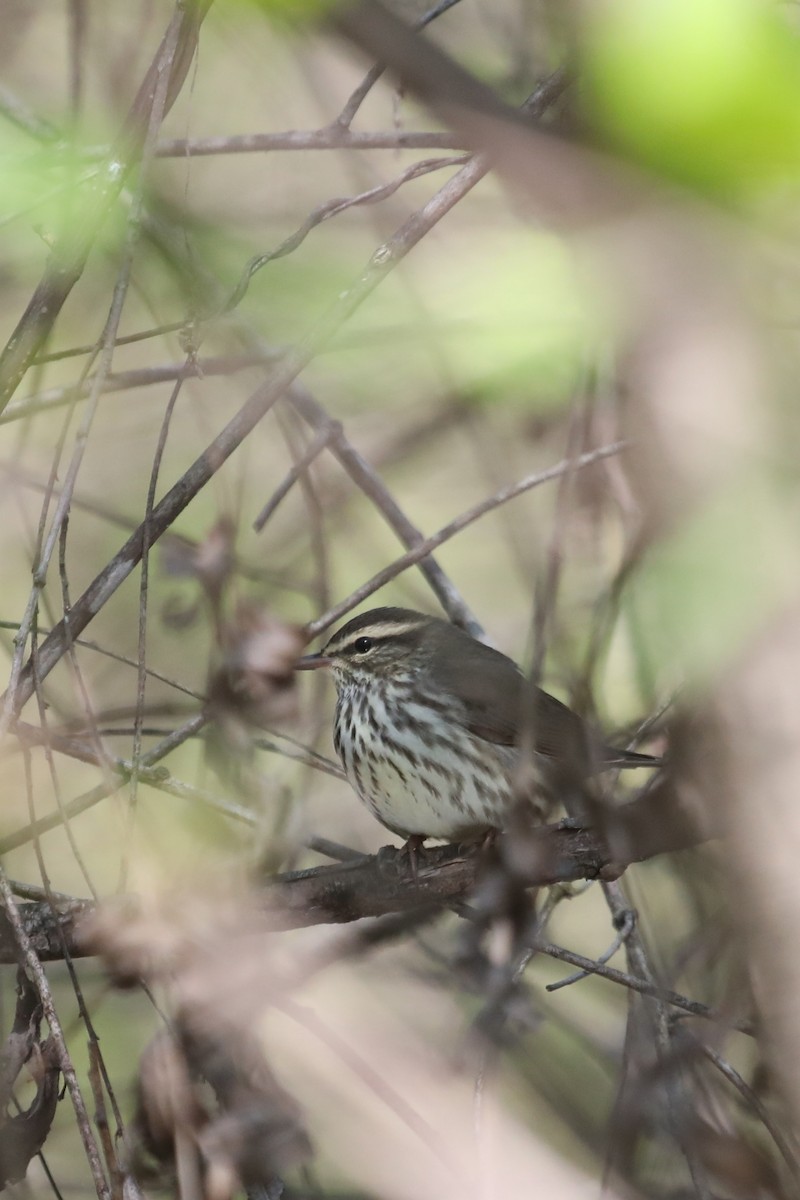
x,y
375,885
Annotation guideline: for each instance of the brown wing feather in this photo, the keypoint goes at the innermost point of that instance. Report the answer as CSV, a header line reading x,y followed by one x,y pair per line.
x,y
490,686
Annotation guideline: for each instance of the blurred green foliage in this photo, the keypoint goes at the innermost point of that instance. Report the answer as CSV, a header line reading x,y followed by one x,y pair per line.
x,y
492,325
705,92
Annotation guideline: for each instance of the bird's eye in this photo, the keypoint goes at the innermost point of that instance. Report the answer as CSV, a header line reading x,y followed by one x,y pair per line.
x,y
362,645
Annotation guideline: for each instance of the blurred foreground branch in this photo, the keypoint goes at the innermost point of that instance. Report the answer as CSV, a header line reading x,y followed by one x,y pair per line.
x,y
375,885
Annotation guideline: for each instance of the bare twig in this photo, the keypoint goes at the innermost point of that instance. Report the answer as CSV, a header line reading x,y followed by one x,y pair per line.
x,y
634,982
427,545
312,451
357,98
141,672
370,483
332,137
605,957
751,1098
120,381
332,208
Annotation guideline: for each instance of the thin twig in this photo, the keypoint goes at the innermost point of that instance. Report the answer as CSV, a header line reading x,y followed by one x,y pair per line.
x,y
141,672
332,208
314,448
357,98
626,980
56,786
366,478
332,137
753,1100
427,545
121,381
605,957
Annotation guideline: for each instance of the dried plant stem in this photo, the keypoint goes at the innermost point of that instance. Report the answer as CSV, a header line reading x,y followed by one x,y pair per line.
x,y
332,137
205,467
425,546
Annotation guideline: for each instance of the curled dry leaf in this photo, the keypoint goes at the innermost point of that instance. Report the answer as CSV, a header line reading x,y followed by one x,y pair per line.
x,y
257,1133
250,1147
736,1163
23,1037
23,1135
209,951
166,1098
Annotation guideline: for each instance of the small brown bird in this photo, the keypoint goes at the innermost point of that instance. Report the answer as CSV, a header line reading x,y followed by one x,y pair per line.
x,y
428,719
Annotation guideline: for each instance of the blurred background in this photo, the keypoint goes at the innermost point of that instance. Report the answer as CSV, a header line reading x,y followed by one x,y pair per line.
x,y
270,321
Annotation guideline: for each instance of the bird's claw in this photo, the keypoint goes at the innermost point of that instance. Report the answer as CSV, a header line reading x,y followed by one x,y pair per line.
x,y
390,859
570,823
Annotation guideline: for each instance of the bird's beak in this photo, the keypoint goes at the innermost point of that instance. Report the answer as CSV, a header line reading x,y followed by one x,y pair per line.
x,y
312,662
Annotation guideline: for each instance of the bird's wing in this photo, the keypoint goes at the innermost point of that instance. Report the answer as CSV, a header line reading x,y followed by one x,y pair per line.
x,y
490,688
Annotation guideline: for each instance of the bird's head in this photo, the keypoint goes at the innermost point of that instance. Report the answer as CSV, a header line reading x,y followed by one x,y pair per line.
x,y
383,644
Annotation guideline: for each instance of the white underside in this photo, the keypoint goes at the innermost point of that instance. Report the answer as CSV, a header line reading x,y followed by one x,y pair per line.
x,y
447,791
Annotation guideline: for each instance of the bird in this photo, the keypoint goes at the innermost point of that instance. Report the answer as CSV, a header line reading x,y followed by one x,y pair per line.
x,y
428,725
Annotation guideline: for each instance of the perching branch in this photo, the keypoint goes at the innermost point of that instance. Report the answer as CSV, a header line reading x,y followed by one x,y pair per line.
x,y
375,885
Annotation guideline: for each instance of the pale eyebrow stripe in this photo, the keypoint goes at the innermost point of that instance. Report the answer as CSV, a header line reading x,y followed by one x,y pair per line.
x,y
383,630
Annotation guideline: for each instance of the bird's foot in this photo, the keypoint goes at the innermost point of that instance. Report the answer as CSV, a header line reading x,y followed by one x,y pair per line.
x,y
390,859
479,845
570,823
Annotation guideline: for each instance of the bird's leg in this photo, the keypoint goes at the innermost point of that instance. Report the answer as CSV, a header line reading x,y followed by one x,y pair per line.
x,y
389,858
412,848
489,840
